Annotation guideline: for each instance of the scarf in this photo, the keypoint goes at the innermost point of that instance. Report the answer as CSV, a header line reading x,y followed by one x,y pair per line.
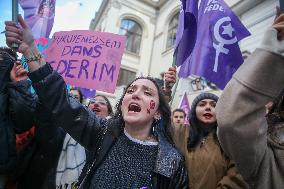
x,y
70,164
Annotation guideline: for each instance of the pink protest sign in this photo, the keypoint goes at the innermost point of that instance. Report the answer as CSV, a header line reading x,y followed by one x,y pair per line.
x,y
86,58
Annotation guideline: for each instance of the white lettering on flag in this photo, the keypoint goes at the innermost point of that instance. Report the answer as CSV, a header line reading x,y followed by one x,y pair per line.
x,y
228,30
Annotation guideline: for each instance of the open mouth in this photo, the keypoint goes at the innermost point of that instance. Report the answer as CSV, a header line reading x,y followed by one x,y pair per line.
x,y
208,115
133,107
96,110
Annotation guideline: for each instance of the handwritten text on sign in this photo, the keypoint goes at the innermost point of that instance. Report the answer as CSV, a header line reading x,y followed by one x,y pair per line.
x,y
86,58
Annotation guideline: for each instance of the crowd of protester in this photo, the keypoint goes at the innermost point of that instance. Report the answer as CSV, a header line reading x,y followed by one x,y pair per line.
x,y
51,139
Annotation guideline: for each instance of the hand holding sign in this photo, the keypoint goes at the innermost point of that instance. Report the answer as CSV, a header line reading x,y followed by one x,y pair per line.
x,y
87,59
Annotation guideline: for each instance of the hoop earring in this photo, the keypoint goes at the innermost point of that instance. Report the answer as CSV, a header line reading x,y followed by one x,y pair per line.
x,y
156,123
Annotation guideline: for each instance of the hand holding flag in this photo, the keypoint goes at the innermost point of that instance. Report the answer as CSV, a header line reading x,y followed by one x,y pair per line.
x,y
170,78
39,15
186,32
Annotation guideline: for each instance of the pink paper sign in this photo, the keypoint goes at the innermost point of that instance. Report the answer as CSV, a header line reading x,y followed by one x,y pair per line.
x,y
86,58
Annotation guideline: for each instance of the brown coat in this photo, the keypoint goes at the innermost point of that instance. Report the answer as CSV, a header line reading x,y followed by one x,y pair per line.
x,y
207,167
242,123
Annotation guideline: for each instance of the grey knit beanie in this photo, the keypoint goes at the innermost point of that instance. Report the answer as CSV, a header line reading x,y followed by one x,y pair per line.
x,y
201,97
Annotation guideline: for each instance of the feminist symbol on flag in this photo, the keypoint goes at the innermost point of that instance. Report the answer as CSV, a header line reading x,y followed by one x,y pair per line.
x,y
228,30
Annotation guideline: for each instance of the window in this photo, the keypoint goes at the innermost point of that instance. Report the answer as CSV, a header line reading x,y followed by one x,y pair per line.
x,y
133,31
197,84
172,31
125,77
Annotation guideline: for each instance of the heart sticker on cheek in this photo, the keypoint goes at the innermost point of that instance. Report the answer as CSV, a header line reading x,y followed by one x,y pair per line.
x,y
152,104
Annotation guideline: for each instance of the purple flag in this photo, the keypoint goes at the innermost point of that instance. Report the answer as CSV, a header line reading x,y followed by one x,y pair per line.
x,y
88,93
39,15
186,32
216,54
184,104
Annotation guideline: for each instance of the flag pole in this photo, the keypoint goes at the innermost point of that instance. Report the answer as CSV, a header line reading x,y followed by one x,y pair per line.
x,y
175,86
15,12
174,91
281,3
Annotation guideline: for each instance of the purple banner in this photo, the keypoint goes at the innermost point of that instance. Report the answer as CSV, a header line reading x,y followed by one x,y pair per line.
x,y
39,15
186,32
88,93
184,104
216,54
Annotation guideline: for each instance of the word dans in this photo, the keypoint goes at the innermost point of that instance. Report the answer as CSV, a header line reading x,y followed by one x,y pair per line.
x,y
93,52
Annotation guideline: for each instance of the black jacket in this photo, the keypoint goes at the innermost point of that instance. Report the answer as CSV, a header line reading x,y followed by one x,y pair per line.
x,y
85,127
8,155
38,162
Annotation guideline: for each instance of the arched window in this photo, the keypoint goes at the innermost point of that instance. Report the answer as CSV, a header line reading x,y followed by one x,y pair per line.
x,y
133,31
172,31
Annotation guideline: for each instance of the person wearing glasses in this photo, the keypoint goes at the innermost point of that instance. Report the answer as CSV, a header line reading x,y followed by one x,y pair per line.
x,y
101,106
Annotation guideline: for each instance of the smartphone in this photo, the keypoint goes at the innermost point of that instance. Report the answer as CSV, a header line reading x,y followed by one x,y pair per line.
x,y
281,3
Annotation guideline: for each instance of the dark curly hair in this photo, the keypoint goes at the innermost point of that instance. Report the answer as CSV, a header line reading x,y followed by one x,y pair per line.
x,y
81,98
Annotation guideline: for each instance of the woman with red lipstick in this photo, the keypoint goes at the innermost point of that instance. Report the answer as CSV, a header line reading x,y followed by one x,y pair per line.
x,y
207,165
133,149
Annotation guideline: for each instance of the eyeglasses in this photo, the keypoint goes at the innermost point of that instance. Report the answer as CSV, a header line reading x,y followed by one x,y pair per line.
x,y
100,102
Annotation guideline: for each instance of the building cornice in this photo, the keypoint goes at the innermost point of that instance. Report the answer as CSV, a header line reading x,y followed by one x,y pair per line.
x,y
131,5
99,14
244,5
154,4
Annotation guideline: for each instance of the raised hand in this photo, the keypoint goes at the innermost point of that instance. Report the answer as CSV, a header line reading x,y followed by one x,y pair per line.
x,y
21,35
274,37
170,78
278,24
18,73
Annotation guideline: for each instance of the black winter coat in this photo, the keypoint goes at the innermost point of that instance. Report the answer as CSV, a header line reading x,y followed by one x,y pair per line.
x,y
85,127
8,155
37,164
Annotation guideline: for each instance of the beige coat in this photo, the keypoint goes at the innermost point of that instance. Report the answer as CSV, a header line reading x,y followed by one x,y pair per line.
x,y
241,117
207,167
